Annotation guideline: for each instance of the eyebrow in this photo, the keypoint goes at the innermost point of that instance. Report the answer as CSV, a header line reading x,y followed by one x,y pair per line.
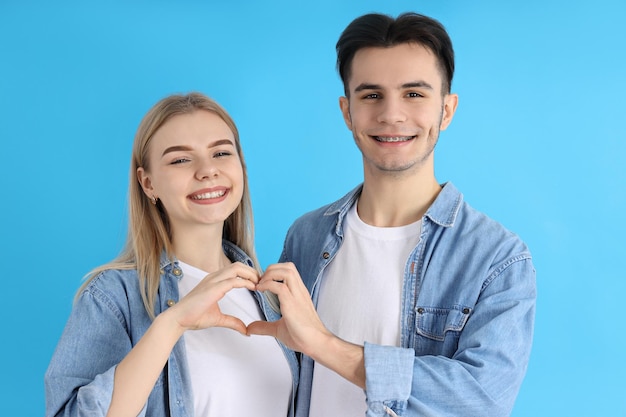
x,y
412,84
176,148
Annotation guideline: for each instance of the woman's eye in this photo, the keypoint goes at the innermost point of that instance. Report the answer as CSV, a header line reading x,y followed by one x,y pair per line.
x,y
179,161
221,154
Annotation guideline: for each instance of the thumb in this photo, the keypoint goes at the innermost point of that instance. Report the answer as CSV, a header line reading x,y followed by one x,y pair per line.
x,y
263,328
234,323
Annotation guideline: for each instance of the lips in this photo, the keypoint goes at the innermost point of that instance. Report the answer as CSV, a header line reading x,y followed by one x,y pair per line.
x,y
208,195
393,139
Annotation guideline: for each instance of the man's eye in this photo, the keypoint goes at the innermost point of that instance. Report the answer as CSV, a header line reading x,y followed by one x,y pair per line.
x,y
414,95
372,96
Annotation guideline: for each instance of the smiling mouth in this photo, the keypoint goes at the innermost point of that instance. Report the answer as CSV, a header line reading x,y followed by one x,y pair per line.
x,y
391,139
208,196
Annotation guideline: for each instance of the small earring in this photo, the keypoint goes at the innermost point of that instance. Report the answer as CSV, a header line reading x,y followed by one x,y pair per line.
x,y
153,200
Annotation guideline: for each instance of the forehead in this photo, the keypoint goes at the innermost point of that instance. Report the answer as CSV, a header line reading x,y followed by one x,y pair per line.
x,y
394,66
198,126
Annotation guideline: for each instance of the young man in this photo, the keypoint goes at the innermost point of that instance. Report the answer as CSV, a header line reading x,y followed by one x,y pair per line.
x,y
421,306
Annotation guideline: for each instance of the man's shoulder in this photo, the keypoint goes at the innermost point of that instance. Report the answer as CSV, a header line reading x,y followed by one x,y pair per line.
x,y
466,223
327,214
313,223
489,234
314,215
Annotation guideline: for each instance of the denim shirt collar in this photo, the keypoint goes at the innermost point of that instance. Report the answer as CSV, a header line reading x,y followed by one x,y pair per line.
x,y
443,211
446,206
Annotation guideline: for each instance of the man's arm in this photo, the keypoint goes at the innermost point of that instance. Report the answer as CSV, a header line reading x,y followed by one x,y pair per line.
x,y
485,373
482,378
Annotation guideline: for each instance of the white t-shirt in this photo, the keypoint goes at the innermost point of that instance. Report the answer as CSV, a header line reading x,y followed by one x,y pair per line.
x,y
359,301
232,374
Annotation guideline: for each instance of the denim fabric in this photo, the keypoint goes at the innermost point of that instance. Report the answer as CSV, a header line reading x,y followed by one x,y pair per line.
x,y
107,320
468,306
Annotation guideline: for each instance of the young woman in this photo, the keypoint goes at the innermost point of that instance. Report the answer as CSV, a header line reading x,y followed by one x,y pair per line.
x,y
161,330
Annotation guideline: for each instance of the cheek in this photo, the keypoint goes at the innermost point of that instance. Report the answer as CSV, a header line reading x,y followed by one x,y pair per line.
x,y
164,183
238,179
358,119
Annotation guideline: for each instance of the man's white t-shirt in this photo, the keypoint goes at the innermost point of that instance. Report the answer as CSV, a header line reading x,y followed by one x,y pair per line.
x,y
232,374
360,301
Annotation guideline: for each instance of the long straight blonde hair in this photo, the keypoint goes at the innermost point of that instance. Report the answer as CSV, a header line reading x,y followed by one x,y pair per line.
x,y
148,225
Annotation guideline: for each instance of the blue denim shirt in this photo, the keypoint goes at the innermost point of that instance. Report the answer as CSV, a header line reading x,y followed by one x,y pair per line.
x,y
468,306
107,320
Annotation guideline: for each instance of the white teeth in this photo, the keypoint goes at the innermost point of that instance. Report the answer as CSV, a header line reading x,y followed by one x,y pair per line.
x,y
393,138
214,194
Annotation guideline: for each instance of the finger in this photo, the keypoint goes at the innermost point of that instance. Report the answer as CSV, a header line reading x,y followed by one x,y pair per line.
x,y
235,270
234,323
215,291
279,268
276,272
263,328
245,272
237,282
287,274
277,287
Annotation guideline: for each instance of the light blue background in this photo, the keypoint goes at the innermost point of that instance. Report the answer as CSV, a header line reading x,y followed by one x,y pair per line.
x,y
538,143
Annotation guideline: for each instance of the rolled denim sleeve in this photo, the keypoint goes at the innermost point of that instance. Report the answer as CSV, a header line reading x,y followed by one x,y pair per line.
x,y
80,376
485,373
389,373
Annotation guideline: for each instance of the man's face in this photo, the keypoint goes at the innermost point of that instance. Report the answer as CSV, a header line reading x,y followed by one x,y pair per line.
x,y
396,108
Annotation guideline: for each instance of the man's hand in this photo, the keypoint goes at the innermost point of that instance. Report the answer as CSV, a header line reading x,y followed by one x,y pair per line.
x,y
301,329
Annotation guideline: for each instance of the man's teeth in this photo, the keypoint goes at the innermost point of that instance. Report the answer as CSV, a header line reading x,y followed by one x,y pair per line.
x,y
392,138
214,194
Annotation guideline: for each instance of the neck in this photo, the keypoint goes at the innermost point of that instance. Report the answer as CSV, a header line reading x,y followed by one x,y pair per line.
x,y
201,247
392,201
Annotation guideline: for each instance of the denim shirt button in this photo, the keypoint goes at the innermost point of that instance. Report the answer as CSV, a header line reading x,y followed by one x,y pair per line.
x,y
420,310
170,302
326,255
466,310
177,272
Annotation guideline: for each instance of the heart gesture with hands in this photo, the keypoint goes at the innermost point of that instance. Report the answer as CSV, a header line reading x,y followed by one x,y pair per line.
x,y
300,327
200,310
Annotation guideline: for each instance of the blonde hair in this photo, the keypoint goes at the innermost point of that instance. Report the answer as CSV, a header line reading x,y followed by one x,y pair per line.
x,y
148,226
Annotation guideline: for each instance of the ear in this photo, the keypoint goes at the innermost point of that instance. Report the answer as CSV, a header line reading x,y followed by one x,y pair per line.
x,y
450,101
344,105
144,180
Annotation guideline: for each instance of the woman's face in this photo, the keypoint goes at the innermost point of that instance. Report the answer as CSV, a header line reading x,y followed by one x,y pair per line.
x,y
195,170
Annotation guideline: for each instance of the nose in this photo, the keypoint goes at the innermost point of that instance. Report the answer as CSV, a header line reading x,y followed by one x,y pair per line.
x,y
206,170
391,111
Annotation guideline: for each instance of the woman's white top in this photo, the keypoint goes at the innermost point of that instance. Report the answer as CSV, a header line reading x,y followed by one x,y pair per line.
x,y
233,374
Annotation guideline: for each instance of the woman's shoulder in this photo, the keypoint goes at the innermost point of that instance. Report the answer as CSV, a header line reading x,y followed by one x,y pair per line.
x,y
112,293
113,280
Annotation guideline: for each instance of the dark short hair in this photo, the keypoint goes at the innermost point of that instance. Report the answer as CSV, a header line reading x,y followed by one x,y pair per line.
x,y
380,30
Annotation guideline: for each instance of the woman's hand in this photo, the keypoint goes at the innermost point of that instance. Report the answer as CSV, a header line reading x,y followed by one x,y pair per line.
x,y
199,308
